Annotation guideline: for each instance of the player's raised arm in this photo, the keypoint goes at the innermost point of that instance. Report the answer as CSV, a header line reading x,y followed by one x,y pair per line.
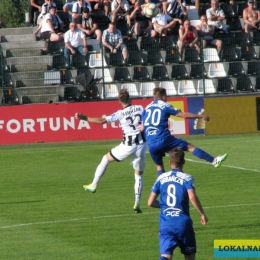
x,y
94,120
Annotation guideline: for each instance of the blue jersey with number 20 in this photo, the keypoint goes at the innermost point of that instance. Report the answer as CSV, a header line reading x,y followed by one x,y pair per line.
x,y
155,120
174,201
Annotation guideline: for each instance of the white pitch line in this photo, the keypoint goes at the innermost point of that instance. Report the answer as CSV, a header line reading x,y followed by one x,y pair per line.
x,y
227,166
113,216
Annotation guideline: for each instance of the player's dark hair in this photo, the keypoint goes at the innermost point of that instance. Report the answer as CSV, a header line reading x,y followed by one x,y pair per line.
x,y
177,157
158,92
123,96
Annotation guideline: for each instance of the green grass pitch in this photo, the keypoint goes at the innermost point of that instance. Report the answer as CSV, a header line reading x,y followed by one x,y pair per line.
x,y
46,214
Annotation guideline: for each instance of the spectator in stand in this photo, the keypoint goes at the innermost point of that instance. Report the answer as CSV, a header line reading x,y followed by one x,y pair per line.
x,y
188,37
68,6
78,7
142,24
120,10
206,33
112,39
75,41
101,4
162,23
45,9
215,17
176,9
49,27
251,17
34,6
88,25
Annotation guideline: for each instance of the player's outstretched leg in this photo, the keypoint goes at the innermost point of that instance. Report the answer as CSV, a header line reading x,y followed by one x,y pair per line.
x,y
101,169
219,159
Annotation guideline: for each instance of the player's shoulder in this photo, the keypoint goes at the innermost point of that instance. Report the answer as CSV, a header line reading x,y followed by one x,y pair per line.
x,y
184,176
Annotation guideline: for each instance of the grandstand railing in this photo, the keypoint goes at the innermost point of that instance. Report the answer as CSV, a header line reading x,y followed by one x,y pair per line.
x,y
33,76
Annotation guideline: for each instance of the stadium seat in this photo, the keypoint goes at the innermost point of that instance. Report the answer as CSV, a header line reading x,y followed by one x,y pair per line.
x,y
169,86
234,23
93,46
160,73
149,43
192,12
141,74
78,61
124,28
203,9
191,55
109,91
210,55
253,68
225,85
244,84
179,72
131,43
186,87
116,59
154,57
168,42
10,97
58,62
197,71
132,89
257,84
99,16
209,86
195,22
172,56
135,58
106,75
72,94
256,37
122,74
229,10
229,53
236,69
241,7
216,70
146,89
239,39
248,52
97,60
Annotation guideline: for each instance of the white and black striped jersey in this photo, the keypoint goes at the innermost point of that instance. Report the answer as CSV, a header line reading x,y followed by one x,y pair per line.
x,y
130,121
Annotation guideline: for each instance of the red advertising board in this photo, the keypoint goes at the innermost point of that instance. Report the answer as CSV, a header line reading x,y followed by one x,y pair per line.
x,y
56,122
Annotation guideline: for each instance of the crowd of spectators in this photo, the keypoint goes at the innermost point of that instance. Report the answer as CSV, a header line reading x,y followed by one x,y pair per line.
x,y
172,18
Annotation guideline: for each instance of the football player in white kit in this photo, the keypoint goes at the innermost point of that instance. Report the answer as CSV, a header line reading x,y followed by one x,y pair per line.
x,y
133,144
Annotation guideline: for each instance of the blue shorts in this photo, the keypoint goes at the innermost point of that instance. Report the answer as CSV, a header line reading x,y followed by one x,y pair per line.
x,y
170,237
158,149
70,5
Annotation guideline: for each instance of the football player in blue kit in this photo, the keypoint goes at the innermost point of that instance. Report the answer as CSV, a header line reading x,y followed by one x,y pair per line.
x,y
133,144
176,228
158,137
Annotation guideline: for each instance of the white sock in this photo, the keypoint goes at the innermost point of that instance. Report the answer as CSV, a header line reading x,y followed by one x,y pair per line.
x,y
101,169
138,188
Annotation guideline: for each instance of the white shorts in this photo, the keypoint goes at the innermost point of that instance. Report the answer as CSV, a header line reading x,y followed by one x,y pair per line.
x,y
137,152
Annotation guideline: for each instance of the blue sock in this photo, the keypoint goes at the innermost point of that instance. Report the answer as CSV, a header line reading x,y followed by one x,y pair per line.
x,y
163,258
159,172
202,155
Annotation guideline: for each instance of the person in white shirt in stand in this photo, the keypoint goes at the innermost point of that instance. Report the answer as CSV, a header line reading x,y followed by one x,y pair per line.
x,y
206,33
75,41
120,10
162,23
216,16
